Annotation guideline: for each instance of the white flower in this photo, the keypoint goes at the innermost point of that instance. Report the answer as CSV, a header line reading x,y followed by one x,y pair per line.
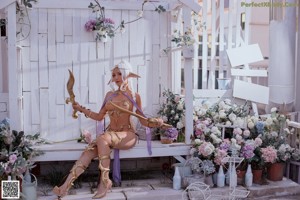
x,y
96,8
246,133
209,149
206,105
222,114
287,130
228,123
254,119
274,109
179,125
257,141
197,141
192,151
221,105
214,129
180,106
274,134
227,101
250,125
140,13
172,112
164,118
232,117
269,121
176,116
216,140
239,122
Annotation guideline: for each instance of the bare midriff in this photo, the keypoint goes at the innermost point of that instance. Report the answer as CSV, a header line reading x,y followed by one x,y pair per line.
x,y
119,121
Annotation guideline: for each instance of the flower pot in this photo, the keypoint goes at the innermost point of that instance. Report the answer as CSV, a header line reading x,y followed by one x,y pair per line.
x,y
257,176
275,171
208,180
240,176
165,140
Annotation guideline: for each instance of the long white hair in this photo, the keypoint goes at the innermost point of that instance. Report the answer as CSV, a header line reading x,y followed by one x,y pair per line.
x,y
125,69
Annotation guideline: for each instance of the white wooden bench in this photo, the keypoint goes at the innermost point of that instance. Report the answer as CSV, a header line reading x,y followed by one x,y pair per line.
x,y
72,150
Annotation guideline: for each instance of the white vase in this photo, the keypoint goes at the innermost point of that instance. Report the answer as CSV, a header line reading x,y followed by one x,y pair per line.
x,y
100,37
249,177
221,177
233,177
177,179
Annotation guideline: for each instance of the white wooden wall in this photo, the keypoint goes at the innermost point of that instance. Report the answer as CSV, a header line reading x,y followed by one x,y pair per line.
x,y
58,42
223,31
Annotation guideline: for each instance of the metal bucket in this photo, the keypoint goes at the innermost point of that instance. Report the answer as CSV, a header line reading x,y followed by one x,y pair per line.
x,y
29,189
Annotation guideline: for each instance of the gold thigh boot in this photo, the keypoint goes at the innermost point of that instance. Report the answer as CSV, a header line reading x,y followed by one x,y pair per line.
x,y
107,183
74,173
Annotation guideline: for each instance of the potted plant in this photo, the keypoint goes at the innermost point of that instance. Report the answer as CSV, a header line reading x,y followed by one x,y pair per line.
x,y
16,151
168,136
172,111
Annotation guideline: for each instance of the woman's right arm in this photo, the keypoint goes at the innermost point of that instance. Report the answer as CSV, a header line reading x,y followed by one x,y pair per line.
x,y
90,114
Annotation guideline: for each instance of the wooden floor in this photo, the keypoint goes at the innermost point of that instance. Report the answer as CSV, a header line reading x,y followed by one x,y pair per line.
x,y
72,150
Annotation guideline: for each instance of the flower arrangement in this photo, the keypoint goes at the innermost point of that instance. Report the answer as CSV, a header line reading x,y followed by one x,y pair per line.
x,y
105,27
170,133
172,111
16,151
225,112
207,167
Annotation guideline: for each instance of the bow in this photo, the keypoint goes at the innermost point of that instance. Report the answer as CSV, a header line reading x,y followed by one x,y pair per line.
x,y
164,125
71,99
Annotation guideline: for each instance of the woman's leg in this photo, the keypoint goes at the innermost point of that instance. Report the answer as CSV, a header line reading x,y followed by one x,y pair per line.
x,y
79,167
110,139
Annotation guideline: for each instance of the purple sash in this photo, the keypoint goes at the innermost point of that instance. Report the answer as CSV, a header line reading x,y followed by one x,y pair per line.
x,y
100,130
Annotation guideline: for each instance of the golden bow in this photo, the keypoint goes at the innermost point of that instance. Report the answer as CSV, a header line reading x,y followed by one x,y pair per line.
x,y
71,99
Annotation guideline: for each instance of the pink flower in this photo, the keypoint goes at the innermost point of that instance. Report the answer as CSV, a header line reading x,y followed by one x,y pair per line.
x,y
87,136
12,158
90,25
177,99
220,154
258,141
206,149
269,154
246,133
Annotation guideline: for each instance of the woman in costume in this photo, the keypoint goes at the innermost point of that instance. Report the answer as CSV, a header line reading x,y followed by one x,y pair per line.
x,y
120,133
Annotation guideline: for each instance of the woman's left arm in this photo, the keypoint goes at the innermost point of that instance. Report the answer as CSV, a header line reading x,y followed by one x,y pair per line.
x,y
150,122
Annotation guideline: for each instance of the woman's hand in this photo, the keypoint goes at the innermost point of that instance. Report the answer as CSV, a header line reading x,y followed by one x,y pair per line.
x,y
155,122
77,107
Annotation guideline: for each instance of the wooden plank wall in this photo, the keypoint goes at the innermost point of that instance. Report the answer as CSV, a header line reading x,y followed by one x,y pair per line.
x,y
222,31
58,42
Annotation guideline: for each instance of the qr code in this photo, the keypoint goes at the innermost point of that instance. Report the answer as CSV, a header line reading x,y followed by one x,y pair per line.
x,y
10,189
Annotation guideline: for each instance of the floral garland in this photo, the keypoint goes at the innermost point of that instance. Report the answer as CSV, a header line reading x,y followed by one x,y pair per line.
x,y
105,27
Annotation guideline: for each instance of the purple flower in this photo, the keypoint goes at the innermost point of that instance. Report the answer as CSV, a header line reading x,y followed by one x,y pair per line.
x,y
90,25
108,21
224,146
171,133
12,158
247,151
